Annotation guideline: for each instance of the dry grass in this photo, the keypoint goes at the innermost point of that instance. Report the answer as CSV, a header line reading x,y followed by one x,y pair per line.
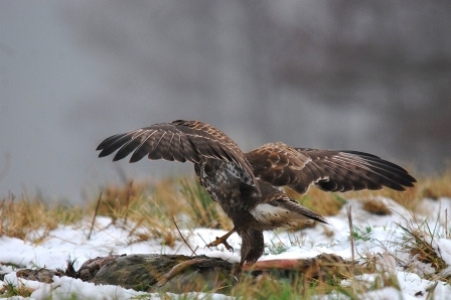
x,y
322,278
418,241
119,202
200,207
408,198
437,186
10,290
423,250
326,204
170,197
164,199
153,205
298,286
22,217
376,206
144,205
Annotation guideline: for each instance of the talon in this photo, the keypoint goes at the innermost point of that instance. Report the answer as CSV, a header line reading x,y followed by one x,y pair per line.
x,y
222,240
228,247
219,241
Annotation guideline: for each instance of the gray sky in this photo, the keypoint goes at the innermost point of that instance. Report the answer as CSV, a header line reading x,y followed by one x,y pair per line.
x,y
306,73
42,73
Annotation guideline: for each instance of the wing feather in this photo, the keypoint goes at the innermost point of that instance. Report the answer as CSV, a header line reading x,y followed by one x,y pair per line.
x,y
330,170
179,140
113,143
373,176
135,141
145,147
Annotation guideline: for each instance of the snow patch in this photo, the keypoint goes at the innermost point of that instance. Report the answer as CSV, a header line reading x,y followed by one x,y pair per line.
x,y
379,236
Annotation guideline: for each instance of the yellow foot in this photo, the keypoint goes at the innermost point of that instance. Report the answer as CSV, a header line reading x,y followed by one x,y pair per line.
x,y
219,241
222,240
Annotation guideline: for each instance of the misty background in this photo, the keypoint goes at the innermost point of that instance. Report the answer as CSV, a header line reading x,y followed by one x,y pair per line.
x,y
373,76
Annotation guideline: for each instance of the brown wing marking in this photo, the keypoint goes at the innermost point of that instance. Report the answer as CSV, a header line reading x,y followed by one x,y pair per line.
x,y
352,170
330,170
278,164
180,140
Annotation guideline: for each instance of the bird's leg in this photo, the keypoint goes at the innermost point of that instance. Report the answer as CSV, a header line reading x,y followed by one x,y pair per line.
x,y
252,247
222,240
237,270
242,267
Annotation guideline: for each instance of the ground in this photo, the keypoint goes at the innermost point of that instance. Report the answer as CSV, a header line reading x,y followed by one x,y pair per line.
x,y
410,252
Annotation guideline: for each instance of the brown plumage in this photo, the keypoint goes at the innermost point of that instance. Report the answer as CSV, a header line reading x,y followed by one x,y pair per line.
x,y
245,184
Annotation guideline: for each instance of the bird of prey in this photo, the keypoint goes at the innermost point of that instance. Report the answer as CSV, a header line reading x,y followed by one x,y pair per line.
x,y
248,185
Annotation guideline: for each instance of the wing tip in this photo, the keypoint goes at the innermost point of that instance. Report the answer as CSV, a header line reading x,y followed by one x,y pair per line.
x,y
322,220
104,153
134,159
101,155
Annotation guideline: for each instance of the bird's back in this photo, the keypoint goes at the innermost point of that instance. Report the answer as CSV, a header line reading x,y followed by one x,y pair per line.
x,y
228,184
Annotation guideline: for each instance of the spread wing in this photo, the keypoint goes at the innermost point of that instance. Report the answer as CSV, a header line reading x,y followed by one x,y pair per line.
x,y
180,141
329,170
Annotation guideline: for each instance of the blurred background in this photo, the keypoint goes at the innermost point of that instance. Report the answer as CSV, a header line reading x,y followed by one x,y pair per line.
x,y
373,76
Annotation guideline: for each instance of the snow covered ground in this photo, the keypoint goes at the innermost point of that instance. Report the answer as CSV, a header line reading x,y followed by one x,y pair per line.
x,y
373,235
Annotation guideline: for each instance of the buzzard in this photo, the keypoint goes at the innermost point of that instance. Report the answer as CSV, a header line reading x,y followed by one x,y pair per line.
x,y
248,185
